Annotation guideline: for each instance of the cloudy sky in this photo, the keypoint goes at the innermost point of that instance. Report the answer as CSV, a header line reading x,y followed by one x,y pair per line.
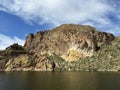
x,y
18,18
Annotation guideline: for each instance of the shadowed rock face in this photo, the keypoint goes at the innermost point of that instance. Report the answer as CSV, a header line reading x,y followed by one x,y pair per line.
x,y
70,41
29,40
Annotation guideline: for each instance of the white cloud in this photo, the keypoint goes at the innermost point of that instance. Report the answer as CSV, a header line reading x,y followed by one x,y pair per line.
x,y
57,12
6,41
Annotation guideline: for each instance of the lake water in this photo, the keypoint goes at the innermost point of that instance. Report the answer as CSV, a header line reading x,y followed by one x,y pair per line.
x,y
59,81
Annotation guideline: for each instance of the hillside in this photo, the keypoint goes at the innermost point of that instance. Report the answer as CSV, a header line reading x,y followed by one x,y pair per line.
x,y
69,47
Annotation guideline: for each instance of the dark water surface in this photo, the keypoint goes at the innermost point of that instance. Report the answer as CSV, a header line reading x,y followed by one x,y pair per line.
x,y
59,81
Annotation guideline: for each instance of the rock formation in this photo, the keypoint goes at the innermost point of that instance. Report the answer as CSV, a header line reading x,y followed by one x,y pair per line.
x,y
68,47
69,41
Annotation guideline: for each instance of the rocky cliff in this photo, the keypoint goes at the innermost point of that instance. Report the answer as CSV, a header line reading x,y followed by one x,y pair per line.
x,y
67,47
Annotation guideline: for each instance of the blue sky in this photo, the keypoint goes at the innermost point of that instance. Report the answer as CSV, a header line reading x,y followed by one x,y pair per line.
x,y
18,18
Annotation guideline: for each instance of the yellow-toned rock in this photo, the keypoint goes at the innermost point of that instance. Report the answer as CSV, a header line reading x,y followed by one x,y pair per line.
x,y
75,53
20,61
72,55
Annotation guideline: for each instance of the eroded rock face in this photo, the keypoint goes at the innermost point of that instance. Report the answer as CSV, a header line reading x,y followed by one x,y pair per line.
x,y
67,47
70,41
19,63
29,39
43,64
15,58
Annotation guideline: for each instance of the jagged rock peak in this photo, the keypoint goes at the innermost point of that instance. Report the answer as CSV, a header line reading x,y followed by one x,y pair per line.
x,y
70,41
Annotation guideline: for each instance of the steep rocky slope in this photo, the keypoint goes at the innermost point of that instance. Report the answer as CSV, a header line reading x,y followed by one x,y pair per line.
x,y
68,41
67,47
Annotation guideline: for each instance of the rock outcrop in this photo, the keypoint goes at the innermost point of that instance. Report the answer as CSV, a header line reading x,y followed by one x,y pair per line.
x,y
67,47
69,41
15,58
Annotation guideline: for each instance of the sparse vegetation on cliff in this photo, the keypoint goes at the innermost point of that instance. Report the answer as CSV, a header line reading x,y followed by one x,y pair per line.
x,y
70,47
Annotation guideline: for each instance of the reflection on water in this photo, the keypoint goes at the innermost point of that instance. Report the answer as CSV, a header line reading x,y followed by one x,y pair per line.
x,y
59,81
